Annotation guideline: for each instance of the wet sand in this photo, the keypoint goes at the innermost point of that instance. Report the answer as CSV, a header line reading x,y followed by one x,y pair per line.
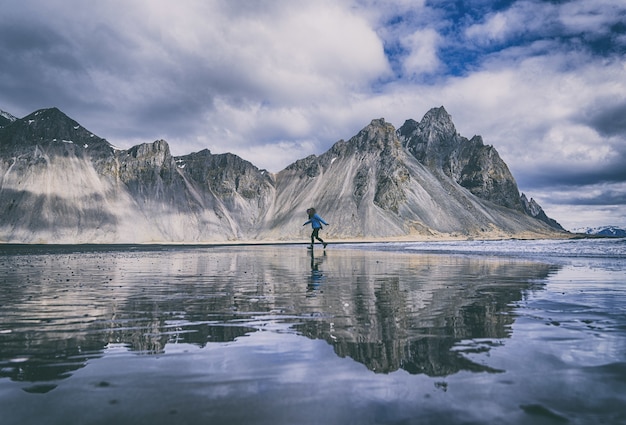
x,y
280,335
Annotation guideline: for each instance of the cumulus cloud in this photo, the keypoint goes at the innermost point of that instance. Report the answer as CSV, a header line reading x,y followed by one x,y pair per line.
x,y
422,51
496,28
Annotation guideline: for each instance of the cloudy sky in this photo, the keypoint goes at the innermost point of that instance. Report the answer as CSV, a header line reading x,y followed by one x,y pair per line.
x,y
276,80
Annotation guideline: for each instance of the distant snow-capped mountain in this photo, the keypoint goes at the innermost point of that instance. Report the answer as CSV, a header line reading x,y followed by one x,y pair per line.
x,y
602,231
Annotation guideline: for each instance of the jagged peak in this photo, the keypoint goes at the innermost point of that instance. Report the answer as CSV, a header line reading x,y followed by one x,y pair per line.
x,y
375,136
49,126
50,118
438,113
222,161
376,126
204,153
438,119
233,160
306,161
7,116
530,206
478,140
434,127
378,122
48,113
143,149
533,209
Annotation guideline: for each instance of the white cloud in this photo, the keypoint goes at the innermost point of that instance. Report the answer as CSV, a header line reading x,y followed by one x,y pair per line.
x,y
422,46
523,17
495,28
379,12
290,51
578,18
583,16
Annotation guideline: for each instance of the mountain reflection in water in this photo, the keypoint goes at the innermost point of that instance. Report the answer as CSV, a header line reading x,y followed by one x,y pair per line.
x,y
421,312
61,308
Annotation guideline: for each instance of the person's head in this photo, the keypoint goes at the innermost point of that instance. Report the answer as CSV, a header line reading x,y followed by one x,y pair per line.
x,y
311,212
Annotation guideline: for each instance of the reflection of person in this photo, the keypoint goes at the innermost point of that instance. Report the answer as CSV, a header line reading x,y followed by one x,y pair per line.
x,y
316,277
316,222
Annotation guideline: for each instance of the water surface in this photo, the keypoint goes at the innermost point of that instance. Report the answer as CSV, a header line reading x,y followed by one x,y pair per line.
x,y
465,333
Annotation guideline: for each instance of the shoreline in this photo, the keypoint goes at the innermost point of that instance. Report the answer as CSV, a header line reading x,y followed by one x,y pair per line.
x,y
234,243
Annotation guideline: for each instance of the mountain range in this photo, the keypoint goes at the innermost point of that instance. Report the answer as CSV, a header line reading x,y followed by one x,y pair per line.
x,y
611,231
60,183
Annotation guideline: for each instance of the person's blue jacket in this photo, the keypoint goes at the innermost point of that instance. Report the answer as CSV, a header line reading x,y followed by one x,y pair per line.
x,y
316,221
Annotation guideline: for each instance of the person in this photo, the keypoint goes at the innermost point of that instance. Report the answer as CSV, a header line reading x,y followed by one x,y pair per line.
x,y
316,222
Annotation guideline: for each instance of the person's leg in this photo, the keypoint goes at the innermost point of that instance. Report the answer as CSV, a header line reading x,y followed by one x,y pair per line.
x,y
317,236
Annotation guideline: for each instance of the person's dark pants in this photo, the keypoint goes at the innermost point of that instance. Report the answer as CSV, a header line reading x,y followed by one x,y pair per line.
x,y
315,235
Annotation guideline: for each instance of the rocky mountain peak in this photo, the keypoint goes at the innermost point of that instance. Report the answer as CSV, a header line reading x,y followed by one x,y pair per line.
x,y
476,167
378,122
51,128
6,118
437,120
159,149
377,137
50,123
146,159
48,113
533,209
433,139
226,174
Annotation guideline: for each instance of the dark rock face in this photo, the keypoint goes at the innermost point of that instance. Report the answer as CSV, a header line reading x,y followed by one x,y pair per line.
x,y
6,118
533,209
433,140
226,174
60,183
476,167
378,139
484,174
52,131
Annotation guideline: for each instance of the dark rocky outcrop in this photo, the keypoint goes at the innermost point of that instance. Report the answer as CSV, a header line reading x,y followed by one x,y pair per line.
x,y
6,118
475,166
533,209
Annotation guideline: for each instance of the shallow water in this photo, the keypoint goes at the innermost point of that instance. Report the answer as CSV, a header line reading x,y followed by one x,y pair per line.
x,y
463,333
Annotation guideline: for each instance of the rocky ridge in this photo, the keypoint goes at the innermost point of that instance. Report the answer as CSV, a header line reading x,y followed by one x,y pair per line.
x,y
6,118
59,183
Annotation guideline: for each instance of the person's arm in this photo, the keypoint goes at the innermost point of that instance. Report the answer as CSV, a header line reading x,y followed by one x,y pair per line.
x,y
309,221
